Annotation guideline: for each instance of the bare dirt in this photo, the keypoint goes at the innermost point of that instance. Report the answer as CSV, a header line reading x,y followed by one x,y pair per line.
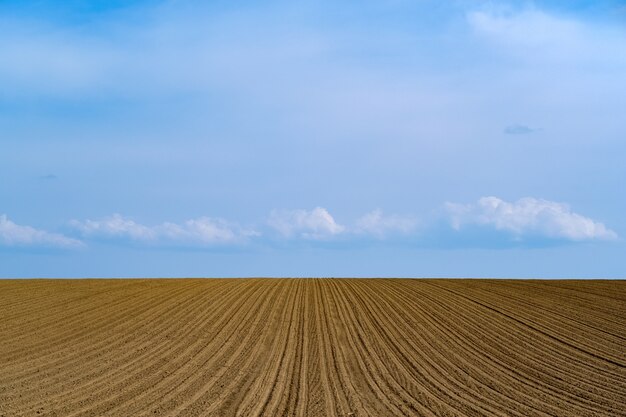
x,y
312,347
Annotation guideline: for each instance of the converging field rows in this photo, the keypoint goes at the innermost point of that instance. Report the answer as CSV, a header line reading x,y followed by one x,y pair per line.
x,y
312,347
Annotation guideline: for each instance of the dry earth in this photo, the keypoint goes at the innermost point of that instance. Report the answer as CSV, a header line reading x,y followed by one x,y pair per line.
x,y
315,347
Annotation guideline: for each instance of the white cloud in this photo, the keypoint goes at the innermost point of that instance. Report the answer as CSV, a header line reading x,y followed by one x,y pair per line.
x,y
528,217
377,224
15,235
200,231
313,224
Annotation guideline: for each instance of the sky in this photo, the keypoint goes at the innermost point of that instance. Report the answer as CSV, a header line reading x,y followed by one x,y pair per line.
x,y
312,138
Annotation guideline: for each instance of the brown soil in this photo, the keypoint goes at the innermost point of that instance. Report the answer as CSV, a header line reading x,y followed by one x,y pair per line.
x,y
312,347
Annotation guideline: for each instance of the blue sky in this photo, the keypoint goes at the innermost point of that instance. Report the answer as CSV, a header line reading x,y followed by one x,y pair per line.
x,y
388,138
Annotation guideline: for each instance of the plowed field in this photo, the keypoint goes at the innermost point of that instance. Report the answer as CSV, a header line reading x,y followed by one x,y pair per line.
x,y
312,347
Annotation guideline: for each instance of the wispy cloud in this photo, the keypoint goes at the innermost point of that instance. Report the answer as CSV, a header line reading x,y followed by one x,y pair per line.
x,y
379,225
531,33
19,236
526,27
315,224
203,231
147,51
527,218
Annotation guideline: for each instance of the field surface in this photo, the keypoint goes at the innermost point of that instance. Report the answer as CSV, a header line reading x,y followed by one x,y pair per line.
x,y
312,347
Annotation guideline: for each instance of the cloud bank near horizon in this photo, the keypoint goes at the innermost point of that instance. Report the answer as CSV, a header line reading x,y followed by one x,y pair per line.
x,y
527,219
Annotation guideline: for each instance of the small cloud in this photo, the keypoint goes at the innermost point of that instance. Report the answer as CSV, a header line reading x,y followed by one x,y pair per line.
x,y
196,232
528,218
375,223
49,177
519,130
308,224
15,235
